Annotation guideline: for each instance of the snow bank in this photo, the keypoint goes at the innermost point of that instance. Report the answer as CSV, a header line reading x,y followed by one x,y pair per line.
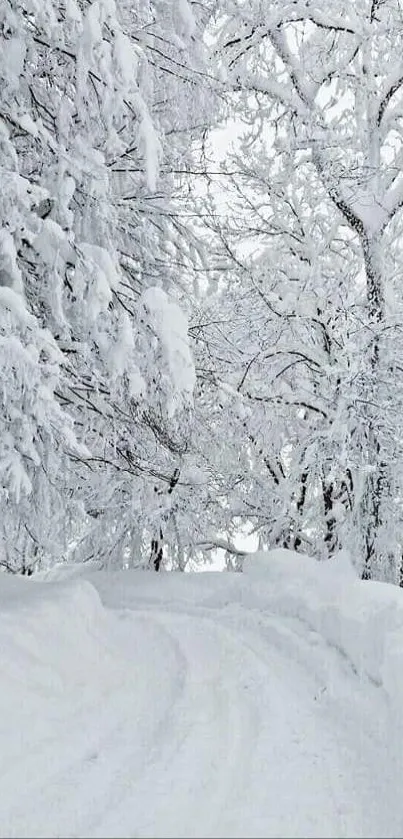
x,y
52,636
364,620
57,654
81,691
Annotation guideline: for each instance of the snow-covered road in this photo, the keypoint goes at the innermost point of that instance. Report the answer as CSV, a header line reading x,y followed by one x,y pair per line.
x,y
187,708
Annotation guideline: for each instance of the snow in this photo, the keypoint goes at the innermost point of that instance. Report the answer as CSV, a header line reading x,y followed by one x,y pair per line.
x,y
151,145
13,57
99,271
169,324
260,704
50,241
27,124
187,16
14,302
10,274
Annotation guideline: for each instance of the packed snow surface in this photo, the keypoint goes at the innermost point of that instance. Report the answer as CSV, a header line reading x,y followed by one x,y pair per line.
x,y
261,704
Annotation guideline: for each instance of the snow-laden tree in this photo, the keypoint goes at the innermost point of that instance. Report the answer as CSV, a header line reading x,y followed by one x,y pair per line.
x,y
271,347
98,105
319,91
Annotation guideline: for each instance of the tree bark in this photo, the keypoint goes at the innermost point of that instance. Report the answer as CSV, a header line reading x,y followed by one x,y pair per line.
x,y
157,551
376,480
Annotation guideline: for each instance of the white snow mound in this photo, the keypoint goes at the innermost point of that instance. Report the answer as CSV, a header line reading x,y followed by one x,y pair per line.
x,y
363,619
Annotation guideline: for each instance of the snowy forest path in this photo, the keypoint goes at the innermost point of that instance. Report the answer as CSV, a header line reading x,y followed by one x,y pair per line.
x,y
219,720
271,734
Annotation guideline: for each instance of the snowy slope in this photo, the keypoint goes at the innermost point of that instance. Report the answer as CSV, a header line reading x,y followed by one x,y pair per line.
x,y
258,704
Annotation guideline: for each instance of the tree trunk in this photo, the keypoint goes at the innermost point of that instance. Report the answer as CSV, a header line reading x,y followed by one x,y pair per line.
x,y
330,537
376,478
157,551
300,508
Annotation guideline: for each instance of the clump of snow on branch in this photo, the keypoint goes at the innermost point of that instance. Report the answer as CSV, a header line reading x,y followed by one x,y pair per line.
x,y
172,352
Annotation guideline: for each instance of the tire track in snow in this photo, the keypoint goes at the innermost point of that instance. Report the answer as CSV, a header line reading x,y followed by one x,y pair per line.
x,y
249,725
69,775
312,744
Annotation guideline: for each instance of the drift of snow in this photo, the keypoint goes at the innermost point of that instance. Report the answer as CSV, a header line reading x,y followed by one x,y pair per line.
x,y
258,704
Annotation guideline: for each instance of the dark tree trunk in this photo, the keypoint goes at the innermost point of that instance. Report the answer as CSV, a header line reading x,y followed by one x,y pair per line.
x,y
377,480
157,543
300,508
157,551
330,537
